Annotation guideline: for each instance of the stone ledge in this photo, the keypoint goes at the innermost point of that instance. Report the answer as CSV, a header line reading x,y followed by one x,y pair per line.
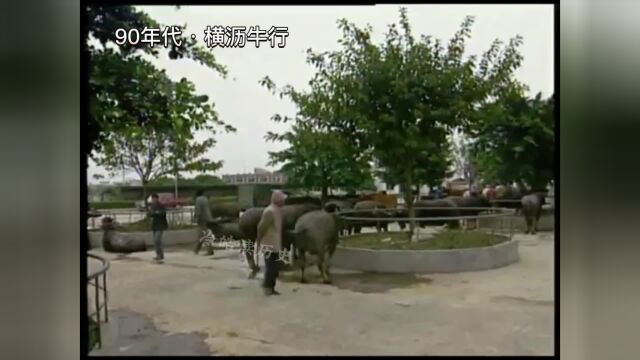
x,y
546,223
426,261
170,237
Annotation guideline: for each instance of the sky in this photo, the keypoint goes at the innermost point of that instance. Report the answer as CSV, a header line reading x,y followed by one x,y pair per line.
x,y
243,103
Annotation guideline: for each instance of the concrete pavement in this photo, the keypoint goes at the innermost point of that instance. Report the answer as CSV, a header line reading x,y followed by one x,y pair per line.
x,y
206,305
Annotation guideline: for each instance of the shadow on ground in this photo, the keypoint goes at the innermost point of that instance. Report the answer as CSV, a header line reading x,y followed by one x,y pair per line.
x,y
359,282
131,333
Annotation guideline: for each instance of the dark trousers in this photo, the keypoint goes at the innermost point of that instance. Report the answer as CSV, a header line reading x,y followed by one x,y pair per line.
x,y
157,243
271,265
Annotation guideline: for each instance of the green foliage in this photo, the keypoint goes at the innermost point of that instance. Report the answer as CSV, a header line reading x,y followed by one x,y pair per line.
x,y
94,333
399,100
205,179
318,159
140,119
202,179
102,205
515,140
127,91
148,151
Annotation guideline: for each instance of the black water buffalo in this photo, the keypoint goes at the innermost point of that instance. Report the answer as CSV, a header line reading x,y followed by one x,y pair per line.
x,y
223,228
437,208
335,206
114,241
248,224
300,200
226,210
370,209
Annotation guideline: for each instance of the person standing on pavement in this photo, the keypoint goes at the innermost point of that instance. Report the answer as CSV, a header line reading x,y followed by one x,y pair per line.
x,y
270,238
203,217
158,214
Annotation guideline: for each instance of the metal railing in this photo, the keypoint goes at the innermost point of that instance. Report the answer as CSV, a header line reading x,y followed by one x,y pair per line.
x,y
484,213
93,279
184,215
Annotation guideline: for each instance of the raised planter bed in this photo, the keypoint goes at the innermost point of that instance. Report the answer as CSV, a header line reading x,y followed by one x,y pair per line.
x,y
426,261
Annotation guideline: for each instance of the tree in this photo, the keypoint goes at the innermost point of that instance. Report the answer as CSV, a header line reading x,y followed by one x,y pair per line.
x,y
139,118
152,154
401,99
514,140
463,159
205,179
114,75
317,159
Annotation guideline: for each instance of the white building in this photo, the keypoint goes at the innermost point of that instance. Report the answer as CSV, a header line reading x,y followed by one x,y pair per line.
x,y
259,176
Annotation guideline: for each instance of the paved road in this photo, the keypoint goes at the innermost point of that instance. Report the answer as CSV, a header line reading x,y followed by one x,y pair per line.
x,y
192,301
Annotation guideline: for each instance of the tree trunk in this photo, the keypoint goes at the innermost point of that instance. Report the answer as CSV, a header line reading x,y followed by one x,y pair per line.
x,y
325,192
144,193
176,187
408,202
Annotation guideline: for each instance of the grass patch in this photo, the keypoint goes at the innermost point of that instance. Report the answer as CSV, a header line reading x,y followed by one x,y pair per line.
x,y
145,225
448,239
93,333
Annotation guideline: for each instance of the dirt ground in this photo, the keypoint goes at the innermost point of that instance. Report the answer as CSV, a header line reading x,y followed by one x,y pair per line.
x,y
198,305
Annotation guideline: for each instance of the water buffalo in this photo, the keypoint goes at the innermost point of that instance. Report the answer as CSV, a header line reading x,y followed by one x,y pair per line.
x,y
223,228
226,210
316,233
248,224
531,210
371,209
299,200
438,208
508,197
335,206
116,242
473,201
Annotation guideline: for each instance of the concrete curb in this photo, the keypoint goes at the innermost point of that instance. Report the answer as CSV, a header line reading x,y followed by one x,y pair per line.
x,y
546,223
426,261
170,237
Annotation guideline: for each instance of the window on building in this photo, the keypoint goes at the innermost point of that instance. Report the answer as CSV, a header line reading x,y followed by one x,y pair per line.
x,y
251,180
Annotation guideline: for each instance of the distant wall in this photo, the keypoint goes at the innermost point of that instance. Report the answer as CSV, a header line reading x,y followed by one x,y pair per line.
x,y
188,191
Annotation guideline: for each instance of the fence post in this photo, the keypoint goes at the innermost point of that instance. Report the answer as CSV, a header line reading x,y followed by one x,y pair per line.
x,y
510,227
97,297
104,292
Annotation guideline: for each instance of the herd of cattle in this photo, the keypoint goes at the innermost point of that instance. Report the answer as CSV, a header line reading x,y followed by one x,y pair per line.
x,y
312,228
